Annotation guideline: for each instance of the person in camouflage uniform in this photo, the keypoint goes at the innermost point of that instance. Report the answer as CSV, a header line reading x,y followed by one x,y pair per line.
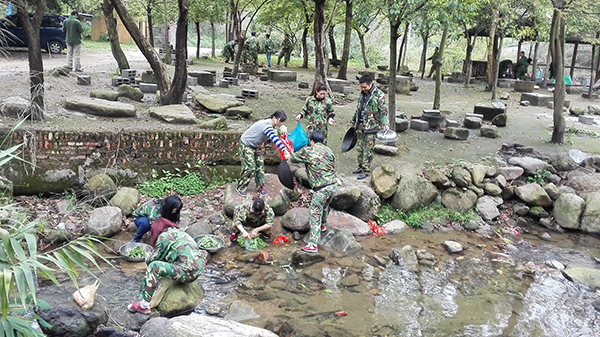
x,y
319,111
320,166
521,67
286,50
229,50
168,208
434,61
251,50
255,214
371,114
177,257
269,48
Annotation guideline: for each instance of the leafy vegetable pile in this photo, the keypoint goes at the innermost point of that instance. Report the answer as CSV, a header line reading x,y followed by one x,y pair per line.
x,y
208,242
137,252
251,244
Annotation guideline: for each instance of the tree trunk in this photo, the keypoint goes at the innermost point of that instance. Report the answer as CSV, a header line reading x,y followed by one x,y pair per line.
x,y
304,48
590,88
557,44
332,42
496,65
113,35
519,46
394,26
180,77
402,46
363,49
147,50
468,66
572,70
535,61
36,66
438,70
423,63
213,42
547,70
342,73
150,26
197,25
320,56
490,48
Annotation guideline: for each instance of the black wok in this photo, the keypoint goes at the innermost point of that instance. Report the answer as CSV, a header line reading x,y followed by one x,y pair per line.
x,y
349,140
285,175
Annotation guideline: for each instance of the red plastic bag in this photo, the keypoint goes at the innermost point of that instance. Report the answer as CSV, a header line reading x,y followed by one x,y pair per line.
x,y
288,145
377,231
280,240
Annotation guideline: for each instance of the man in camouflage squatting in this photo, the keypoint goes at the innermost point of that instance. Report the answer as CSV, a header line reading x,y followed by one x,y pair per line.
x,y
319,111
229,50
255,214
251,50
177,256
286,50
371,114
320,166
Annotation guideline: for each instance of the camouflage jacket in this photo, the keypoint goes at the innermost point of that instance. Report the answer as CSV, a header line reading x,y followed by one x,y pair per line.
x,y
320,164
287,45
269,46
251,44
150,210
317,112
243,215
179,248
230,45
375,114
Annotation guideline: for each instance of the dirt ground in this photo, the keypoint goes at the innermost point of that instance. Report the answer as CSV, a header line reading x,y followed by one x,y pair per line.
x,y
526,125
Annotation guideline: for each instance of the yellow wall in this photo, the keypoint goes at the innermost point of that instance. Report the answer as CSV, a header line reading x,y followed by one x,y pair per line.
x,y
99,28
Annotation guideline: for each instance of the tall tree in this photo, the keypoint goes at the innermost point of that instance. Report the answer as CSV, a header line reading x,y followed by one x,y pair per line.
x,y
170,93
243,11
113,35
365,18
557,48
342,73
214,12
320,43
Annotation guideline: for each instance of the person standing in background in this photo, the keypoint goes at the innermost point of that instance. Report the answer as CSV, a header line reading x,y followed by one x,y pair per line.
x,y
269,49
73,30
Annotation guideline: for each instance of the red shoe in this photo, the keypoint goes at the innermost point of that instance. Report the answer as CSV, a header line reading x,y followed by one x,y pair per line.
x,y
136,307
310,249
323,228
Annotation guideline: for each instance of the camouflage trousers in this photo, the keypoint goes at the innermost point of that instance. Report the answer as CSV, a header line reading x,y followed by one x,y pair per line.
x,y
253,164
318,209
364,148
228,54
250,57
158,269
287,55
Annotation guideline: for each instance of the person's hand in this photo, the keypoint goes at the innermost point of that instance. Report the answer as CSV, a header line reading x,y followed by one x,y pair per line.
x,y
286,154
253,233
330,121
299,117
245,235
386,128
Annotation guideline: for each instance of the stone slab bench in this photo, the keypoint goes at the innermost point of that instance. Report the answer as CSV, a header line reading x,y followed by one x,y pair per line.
x,y
100,107
337,85
524,86
403,84
205,78
282,75
487,111
536,99
174,114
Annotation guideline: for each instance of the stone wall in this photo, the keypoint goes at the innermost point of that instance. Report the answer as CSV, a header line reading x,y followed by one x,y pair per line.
x,y
65,159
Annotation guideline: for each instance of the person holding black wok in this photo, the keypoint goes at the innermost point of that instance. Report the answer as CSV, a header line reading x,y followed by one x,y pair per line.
x,y
371,115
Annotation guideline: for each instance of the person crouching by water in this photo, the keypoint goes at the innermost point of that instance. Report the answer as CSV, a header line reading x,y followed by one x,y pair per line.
x,y
320,166
251,151
177,257
148,214
255,214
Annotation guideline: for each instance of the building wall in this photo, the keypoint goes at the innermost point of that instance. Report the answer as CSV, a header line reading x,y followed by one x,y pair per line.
x,y
99,28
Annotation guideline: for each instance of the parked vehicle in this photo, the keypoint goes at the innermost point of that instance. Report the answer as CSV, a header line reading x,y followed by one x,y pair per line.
x,y
52,38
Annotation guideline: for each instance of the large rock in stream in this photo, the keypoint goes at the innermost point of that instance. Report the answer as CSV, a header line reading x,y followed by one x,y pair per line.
x,y
533,194
200,326
459,199
590,219
345,196
179,297
413,192
100,107
586,276
384,180
367,205
567,210
104,221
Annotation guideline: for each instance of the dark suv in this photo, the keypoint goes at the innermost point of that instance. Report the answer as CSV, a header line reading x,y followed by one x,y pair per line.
x,y
52,37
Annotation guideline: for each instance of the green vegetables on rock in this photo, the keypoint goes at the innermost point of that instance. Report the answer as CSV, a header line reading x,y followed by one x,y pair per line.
x,y
137,252
251,244
208,242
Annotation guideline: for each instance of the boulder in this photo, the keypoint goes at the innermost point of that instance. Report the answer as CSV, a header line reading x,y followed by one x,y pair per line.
x,y
453,246
500,120
488,131
385,150
100,186
384,180
402,124
538,212
213,103
586,276
461,176
459,199
104,221
240,311
478,173
487,207
583,182
367,205
219,123
437,178
405,258
413,192
511,172
492,189
345,196
590,219
345,221
552,190
179,297
520,208
239,111
456,133
394,227
14,106
301,258
125,90
109,95
199,228
530,164
100,107
296,219
339,240
472,122
533,194
173,114
200,325
126,199
567,210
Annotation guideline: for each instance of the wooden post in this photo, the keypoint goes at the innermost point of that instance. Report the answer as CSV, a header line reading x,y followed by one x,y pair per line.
x,y
572,71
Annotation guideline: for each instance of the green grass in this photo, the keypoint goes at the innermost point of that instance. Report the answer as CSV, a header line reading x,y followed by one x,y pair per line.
x,y
435,213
